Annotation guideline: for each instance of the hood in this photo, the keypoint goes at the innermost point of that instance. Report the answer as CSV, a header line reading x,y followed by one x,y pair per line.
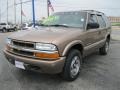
x,y
45,35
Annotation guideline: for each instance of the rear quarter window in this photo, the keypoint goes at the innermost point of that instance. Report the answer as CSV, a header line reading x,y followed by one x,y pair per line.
x,y
108,24
101,21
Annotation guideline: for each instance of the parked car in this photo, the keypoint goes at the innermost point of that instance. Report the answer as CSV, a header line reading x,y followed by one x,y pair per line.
x,y
65,39
26,26
4,27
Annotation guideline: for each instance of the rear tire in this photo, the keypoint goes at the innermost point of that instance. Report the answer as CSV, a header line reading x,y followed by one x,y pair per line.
x,y
104,50
72,66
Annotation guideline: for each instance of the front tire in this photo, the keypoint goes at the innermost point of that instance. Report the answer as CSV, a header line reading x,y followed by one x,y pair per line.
x,y
4,30
104,50
15,29
72,66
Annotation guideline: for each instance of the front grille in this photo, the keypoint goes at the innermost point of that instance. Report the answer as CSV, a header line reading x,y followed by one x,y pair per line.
x,y
18,47
23,44
25,53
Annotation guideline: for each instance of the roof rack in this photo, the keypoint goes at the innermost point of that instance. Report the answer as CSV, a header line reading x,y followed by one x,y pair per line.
x,y
93,11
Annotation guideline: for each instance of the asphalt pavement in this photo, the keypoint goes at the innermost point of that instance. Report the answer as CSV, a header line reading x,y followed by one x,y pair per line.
x,y
116,34
98,73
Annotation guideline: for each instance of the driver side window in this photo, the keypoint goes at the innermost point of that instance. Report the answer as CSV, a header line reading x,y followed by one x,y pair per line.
x,y
92,22
92,18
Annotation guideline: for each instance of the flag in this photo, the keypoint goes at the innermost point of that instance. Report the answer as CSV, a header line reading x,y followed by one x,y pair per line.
x,y
23,14
50,5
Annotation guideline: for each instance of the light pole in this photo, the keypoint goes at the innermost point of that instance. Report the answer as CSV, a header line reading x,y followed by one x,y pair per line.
x,y
7,11
21,11
0,11
15,11
48,8
33,11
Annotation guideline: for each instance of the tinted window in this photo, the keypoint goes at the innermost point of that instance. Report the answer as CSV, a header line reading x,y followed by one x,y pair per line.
x,y
92,18
101,22
2,23
108,24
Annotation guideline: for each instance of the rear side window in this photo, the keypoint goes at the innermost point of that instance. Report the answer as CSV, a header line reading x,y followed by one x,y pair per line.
x,y
101,21
108,24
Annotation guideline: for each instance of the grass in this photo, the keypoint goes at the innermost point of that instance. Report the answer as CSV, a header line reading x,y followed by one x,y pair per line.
x,y
116,24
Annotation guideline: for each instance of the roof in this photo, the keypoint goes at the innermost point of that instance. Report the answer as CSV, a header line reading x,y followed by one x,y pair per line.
x,y
88,11
93,11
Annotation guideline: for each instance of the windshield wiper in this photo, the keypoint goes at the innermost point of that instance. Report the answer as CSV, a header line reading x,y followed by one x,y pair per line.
x,y
55,25
59,25
43,25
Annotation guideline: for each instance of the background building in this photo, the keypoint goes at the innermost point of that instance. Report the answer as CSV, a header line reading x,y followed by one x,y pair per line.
x,y
114,19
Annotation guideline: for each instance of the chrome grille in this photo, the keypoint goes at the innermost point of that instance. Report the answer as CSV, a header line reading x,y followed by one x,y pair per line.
x,y
21,52
23,44
22,48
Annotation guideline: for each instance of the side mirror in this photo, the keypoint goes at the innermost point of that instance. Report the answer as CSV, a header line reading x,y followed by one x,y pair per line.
x,y
92,25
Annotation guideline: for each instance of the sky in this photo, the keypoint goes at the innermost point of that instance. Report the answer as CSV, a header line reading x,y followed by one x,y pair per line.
x,y
109,7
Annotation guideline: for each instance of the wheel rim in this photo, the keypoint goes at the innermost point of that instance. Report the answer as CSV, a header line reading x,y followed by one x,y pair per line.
x,y
15,29
3,30
75,66
107,46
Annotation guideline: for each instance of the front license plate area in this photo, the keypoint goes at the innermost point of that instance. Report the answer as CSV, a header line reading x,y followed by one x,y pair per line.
x,y
19,65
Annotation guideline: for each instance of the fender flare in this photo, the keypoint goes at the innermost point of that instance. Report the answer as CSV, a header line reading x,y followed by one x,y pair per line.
x,y
107,35
70,45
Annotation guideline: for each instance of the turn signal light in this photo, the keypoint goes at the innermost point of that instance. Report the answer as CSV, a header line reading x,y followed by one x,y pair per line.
x,y
47,55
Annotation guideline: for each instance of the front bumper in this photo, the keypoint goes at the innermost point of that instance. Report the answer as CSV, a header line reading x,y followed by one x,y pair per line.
x,y
50,67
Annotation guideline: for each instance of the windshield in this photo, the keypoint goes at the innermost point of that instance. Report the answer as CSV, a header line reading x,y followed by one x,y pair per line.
x,y
68,19
2,23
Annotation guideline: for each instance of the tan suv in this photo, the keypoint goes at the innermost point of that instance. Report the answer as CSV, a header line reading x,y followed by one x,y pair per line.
x,y
59,46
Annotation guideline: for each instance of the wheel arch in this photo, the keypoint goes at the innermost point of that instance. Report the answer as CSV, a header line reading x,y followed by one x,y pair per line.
x,y
73,45
4,27
108,37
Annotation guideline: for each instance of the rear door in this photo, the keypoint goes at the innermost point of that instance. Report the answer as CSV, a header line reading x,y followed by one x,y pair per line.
x,y
92,35
102,28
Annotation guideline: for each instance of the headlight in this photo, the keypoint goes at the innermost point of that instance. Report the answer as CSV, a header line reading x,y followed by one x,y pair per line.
x,y
8,41
45,47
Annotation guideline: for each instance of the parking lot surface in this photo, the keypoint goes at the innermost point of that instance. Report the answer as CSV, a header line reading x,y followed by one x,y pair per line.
x,y
98,73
